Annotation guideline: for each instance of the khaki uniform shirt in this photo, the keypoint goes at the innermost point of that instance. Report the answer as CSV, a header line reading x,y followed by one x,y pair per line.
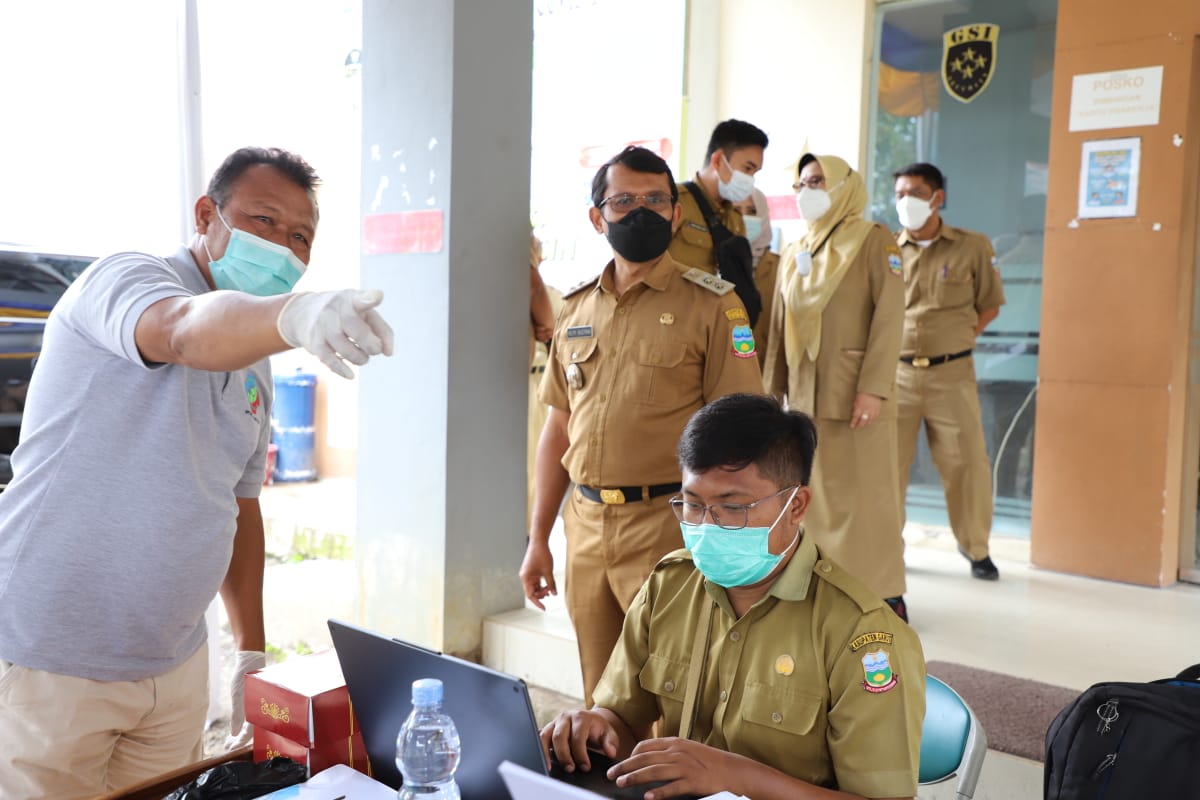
x,y
818,680
860,334
946,285
645,362
693,244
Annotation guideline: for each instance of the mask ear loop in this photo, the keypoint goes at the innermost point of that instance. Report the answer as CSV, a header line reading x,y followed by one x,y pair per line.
x,y
799,531
208,252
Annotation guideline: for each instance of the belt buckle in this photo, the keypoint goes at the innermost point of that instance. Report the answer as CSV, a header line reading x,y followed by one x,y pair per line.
x,y
921,362
612,497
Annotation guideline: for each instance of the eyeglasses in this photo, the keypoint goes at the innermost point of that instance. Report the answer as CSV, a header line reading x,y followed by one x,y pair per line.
x,y
624,203
730,516
815,182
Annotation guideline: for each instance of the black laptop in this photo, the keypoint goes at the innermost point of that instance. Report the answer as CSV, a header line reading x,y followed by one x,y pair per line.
x,y
491,711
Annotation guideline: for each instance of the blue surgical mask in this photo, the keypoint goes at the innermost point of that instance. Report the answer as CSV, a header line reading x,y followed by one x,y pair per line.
x,y
754,226
733,558
253,265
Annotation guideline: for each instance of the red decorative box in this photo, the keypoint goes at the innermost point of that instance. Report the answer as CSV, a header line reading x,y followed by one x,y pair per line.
x,y
303,699
350,751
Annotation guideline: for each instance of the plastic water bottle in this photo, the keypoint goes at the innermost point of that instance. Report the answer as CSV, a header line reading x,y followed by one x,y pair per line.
x,y
428,749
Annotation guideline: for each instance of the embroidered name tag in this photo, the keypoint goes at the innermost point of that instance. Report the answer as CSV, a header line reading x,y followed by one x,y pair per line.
x,y
579,332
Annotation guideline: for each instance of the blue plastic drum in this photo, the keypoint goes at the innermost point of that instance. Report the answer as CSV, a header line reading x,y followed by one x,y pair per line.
x,y
292,426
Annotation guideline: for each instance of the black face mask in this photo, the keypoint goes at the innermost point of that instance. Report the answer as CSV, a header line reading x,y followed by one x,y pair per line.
x,y
641,235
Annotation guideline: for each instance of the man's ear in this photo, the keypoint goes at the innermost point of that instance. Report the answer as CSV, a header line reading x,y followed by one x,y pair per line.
x,y
799,505
676,219
938,199
714,160
205,211
597,219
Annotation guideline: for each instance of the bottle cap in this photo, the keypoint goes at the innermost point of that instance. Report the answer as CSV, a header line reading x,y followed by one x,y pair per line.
x,y
427,692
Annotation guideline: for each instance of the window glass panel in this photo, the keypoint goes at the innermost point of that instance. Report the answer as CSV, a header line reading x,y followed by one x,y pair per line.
x,y
90,138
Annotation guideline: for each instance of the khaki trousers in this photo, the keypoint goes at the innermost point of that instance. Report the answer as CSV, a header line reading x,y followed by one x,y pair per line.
x,y
855,516
946,399
63,737
611,550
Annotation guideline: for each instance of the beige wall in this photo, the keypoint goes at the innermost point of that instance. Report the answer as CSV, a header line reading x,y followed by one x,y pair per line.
x,y
798,69
1115,449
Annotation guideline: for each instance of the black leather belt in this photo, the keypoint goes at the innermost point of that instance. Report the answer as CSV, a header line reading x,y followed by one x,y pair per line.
x,y
537,370
627,494
933,361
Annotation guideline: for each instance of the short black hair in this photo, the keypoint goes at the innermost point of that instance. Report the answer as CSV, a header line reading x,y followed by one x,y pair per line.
x,y
733,134
638,159
738,430
293,167
926,172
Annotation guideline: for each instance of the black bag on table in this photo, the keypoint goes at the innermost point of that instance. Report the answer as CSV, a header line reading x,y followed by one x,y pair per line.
x,y
1127,740
735,260
242,780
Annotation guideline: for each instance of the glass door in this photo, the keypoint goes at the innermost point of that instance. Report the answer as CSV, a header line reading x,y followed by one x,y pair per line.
x,y
965,85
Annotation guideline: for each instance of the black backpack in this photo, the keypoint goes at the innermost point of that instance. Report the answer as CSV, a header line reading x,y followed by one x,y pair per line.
x,y
735,260
1127,740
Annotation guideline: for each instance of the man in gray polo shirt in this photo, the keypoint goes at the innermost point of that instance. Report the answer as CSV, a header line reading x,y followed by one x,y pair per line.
x,y
136,482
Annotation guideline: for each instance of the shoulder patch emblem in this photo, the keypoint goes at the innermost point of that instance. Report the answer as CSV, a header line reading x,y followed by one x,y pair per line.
x,y
870,638
895,263
710,282
743,341
579,287
734,314
877,671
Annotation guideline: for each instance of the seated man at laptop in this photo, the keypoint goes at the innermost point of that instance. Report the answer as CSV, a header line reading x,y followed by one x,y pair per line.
x,y
776,673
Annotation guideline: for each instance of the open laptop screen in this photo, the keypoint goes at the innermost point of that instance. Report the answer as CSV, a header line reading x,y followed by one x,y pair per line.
x,y
490,709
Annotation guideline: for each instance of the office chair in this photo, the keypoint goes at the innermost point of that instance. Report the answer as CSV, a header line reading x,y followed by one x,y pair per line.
x,y
952,740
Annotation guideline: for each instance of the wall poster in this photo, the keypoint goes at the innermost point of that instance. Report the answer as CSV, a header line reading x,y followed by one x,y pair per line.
x,y
1108,178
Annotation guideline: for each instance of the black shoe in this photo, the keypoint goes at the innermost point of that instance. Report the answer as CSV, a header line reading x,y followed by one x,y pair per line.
x,y
985,570
897,604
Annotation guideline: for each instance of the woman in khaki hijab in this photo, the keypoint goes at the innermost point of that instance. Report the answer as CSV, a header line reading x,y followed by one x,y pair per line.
x,y
832,350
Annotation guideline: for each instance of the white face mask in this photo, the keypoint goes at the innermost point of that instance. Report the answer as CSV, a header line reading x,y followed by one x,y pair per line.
x,y
740,185
914,212
812,204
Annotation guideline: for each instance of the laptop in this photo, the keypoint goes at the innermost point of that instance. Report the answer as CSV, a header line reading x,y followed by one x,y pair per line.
x,y
490,709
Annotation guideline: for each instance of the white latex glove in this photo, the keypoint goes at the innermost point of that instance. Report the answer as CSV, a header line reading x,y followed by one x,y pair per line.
x,y
241,731
337,327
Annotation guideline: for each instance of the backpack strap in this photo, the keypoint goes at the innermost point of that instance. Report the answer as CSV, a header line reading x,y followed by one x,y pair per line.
x,y
715,226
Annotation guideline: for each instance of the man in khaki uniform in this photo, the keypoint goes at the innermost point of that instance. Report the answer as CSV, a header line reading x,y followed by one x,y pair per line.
x,y
952,292
833,343
544,304
635,352
777,669
735,155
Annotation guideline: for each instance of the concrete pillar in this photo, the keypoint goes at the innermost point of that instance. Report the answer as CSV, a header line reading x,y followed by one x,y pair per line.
x,y
445,205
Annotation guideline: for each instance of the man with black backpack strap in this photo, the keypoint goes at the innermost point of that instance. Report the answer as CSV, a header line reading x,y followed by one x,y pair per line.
x,y
713,235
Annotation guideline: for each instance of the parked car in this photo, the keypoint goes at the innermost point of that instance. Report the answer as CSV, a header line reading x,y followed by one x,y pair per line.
x,y
31,282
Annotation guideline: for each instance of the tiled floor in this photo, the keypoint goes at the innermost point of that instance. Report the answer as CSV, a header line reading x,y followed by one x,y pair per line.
x,y
1047,626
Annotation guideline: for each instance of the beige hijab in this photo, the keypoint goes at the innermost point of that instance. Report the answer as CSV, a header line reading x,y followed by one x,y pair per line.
x,y
833,242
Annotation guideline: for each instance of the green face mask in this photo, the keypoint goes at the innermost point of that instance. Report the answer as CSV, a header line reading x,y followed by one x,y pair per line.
x,y
733,558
